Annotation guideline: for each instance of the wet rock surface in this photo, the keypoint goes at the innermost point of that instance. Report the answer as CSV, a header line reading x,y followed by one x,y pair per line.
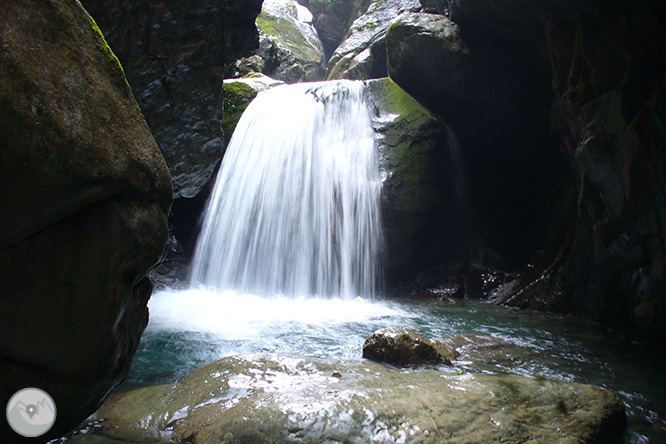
x,y
85,198
289,47
415,157
403,347
286,400
174,53
362,55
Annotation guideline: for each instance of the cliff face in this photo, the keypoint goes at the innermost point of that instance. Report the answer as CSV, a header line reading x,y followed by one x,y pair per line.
x,y
174,54
609,109
541,92
85,194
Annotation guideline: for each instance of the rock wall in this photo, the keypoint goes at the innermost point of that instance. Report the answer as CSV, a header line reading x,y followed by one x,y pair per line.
x,y
85,194
507,76
289,47
174,53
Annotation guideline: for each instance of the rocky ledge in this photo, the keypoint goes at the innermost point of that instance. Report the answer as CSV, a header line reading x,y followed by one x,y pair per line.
x,y
277,399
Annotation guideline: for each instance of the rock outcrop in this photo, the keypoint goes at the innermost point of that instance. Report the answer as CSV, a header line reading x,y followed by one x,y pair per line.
x,y
421,211
497,106
291,400
332,19
175,53
362,55
85,194
238,93
289,47
403,347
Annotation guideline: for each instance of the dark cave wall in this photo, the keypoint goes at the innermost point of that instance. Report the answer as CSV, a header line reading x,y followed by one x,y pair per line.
x,y
559,108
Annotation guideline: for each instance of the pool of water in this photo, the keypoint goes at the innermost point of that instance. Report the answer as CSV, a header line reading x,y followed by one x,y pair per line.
x,y
191,328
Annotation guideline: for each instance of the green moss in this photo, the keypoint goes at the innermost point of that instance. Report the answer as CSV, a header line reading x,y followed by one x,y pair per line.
x,y
253,75
284,31
114,65
236,96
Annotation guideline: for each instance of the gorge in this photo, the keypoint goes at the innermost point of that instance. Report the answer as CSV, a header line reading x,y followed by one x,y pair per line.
x,y
506,154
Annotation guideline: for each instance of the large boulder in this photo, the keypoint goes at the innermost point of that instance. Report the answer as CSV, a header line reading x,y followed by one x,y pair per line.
x,y
362,55
495,101
296,400
289,47
421,209
85,198
174,53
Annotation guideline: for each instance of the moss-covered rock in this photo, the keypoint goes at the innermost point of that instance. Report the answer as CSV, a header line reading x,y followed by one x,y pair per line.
x,y
260,399
85,193
416,161
362,55
289,47
238,93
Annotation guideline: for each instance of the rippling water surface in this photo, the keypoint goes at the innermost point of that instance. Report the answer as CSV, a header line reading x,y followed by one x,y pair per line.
x,y
191,328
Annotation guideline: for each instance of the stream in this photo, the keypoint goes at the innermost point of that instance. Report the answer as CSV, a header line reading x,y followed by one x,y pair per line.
x,y
191,328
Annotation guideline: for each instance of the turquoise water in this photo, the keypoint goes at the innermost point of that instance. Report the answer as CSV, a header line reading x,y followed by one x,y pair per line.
x,y
191,328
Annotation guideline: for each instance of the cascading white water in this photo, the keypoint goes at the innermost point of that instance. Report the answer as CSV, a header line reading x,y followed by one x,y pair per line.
x,y
295,208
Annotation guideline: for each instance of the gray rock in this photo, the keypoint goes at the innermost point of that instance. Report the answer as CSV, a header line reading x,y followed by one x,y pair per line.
x,y
84,203
435,6
298,400
426,52
362,55
289,47
332,19
403,347
175,54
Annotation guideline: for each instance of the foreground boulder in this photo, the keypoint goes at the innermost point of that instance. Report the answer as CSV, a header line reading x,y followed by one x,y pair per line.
x,y
85,193
403,347
296,400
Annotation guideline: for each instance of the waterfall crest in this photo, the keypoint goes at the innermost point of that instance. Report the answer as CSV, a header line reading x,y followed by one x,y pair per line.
x,y
295,208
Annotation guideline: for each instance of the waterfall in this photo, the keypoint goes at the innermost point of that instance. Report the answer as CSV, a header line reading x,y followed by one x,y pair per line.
x,y
295,208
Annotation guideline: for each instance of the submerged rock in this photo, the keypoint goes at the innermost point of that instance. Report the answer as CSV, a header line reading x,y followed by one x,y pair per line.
x,y
297,400
289,47
403,347
362,55
85,194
